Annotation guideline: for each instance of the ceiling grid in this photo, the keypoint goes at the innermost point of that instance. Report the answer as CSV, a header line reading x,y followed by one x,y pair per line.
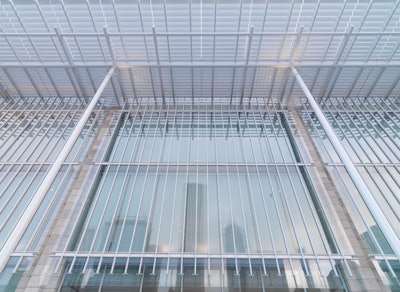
x,y
169,51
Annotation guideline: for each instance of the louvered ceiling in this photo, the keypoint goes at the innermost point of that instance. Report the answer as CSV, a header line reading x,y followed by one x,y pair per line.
x,y
174,51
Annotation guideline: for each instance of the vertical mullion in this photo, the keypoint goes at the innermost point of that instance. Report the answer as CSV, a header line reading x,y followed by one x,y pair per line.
x,y
123,184
169,52
380,135
280,184
164,188
377,169
103,213
228,174
23,143
380,124
197,139
49,205
175,186
13,145
185,190
45,212
298,200
240,191
132,188
217,161
342,131
275,203
87,135
22,194
51,202
119,137
50,132
22,110
393,104
93,204
5,170
17,132
377,111
367,145
38,154
206,121
382,192
316,219
46,131
155,186
267,216
144,182
248,176
388,146
6,103
262,196
356,206
15,176
94,207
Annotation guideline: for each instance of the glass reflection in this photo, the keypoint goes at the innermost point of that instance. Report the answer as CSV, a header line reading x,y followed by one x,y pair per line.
x,y
202,137
176,274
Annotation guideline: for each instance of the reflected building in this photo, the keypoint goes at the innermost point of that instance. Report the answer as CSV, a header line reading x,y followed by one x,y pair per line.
x,y
199,145
195,218
129,234
234,239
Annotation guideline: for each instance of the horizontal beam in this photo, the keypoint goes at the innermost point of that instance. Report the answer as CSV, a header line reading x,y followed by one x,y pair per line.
x,y
191,34
197,255
204,64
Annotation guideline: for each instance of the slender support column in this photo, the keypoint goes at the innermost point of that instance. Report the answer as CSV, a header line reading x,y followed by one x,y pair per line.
x,y
362,187
247,57
158,64
37,199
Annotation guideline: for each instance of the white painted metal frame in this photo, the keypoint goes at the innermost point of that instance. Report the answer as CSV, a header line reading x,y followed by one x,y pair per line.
x,y
315,36
369,200
358,209
30,210
189,117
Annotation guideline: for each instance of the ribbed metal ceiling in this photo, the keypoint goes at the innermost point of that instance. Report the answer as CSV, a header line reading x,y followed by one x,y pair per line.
x,y
227,51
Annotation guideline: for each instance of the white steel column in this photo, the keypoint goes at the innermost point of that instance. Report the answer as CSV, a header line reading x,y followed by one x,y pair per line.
x,y
37,199
362,187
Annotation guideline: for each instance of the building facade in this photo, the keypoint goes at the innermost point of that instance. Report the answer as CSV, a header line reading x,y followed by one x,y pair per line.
x,y
199,146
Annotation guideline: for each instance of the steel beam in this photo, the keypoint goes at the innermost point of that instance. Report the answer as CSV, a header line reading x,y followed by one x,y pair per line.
x,y
194,34
360,184
121,64
48,180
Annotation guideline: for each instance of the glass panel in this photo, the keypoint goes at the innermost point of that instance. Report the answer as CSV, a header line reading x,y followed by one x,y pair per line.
x,y
370,135
198,187
165,275
386,274
234,208
32,135
250,138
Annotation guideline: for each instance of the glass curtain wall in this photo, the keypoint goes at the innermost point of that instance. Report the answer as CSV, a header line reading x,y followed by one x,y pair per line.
x,y
32,133
369,130
204,197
